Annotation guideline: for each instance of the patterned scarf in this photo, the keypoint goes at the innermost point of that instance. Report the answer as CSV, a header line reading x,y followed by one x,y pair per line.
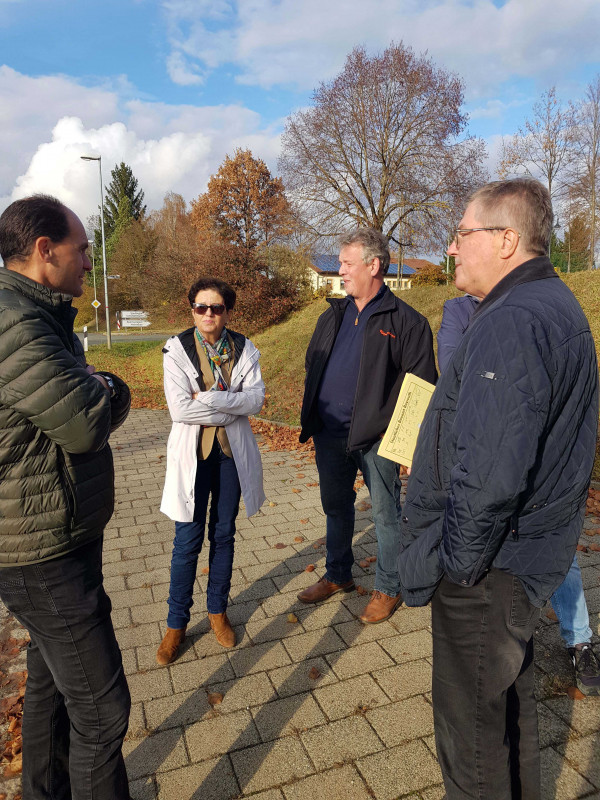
x,y
217,354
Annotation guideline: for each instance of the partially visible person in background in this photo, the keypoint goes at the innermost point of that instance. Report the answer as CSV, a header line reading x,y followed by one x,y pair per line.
x,y
212,383
57,479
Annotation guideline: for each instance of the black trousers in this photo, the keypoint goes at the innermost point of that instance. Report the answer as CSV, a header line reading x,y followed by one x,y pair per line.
x,y
76,699
484,706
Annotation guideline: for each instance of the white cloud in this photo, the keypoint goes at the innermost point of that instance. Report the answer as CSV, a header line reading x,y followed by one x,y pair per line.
x,y
182,72
51,122
301,42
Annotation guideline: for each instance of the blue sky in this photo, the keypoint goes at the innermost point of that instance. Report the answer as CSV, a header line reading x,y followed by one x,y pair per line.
x,y
172,86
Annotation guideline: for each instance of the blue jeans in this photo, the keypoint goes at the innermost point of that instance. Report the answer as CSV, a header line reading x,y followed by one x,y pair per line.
x,y
215,477
337,473
568,601
77,701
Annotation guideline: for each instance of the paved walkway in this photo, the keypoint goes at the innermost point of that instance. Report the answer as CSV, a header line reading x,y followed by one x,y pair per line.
x,y
314,704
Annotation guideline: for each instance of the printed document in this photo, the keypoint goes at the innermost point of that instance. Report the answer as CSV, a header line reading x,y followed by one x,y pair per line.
x,y
400,438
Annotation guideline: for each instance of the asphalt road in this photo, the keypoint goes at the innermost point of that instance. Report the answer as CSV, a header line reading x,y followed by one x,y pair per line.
x,y
100,338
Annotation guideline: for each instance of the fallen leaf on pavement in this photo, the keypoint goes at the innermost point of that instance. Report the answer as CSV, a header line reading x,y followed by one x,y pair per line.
x,y
361,590
582,548
214,698
314,674
299,538
552,615
303,521
292,618
575,694
296,491
300,475
272,504
372,559
364,563
279,546
205,570
310,568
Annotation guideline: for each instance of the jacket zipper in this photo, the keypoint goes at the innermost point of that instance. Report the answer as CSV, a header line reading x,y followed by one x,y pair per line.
x,y
436,455
68,488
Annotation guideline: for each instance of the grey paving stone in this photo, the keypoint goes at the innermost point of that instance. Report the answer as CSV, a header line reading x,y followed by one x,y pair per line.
x,y
252,690
356,633
272,629
267,765
259,658
195,673
352,696
409,646
402,721
148,685
302,677
138,635
287,717
340,741
582,755
156,753
581,715
342,783
147,578
552,729
177,710
400,770
357,660
325,615
559,779
212,779
253,591
221,734
405,680
313,643
151,612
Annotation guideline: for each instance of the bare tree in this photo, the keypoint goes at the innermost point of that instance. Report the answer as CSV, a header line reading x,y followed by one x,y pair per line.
x,y
587,159
381,146
542,149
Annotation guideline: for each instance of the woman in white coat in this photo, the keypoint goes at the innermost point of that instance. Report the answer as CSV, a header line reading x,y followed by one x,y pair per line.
x,y
212,383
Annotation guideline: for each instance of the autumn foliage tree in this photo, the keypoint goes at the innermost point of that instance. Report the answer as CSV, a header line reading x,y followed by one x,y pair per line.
x,y
383,145
244,204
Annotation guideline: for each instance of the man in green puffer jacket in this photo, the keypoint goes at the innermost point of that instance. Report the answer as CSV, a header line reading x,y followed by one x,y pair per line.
x,y
56,496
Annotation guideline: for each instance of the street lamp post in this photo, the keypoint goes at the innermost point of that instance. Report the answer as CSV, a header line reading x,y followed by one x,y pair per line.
x,y
99,160
91,241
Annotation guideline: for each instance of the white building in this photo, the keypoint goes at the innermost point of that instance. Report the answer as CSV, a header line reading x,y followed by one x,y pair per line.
x,y
324,272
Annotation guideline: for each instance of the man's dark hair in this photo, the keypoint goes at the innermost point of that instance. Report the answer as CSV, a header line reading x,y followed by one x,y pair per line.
x,y
224,289
374,245
26,220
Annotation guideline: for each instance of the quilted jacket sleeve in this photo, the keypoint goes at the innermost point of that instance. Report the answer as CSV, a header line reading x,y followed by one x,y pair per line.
x,y
182,406
455,319
501,412
42,381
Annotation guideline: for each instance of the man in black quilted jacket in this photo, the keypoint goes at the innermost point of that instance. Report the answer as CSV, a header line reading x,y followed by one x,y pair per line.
x,y
496,497
56,496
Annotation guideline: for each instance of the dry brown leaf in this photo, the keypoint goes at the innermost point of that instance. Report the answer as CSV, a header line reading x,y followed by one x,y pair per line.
x,y
316,546
310,568
310,485
575,694
361,590
272,504
595,547
551,614
364,563
582,548
296,491
303,521
205,570
314,674
299,538
292,618
214,698
279,546
372,559
300,475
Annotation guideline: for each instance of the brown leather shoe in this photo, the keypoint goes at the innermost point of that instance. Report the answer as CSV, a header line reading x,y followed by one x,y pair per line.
x,y
222,628
323,589
169,647
380,607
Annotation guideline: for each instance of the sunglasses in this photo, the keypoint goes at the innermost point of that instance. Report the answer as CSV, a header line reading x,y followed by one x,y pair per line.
x,y
201,308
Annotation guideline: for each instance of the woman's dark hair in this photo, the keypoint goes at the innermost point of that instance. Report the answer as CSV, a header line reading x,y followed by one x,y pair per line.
x,y
26,220
224,289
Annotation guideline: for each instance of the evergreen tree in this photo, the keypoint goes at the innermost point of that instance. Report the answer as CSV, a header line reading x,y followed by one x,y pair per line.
x,y
122,184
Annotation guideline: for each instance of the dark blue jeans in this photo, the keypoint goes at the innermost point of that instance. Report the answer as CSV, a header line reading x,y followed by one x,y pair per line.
x,y
217,478
337,473
77,701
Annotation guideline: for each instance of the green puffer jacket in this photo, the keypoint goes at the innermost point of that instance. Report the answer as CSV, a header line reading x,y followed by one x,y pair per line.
x,y
56,470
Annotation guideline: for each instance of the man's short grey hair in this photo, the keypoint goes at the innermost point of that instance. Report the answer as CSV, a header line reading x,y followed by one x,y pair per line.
x,y
374,245
523,204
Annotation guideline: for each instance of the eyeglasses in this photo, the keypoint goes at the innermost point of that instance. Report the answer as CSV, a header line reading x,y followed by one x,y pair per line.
x,y
201,308
460,232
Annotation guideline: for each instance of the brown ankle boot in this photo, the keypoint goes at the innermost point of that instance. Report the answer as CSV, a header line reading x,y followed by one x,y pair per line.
x,y
222,628
169,647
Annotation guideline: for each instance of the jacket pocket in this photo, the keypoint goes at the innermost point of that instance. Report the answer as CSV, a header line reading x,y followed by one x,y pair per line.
x,y
522,610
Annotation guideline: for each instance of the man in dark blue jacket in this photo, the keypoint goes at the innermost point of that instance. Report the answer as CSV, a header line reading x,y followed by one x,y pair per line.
x,y
361,349
496,498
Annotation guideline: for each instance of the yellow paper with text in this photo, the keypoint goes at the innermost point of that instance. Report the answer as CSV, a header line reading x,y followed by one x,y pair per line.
x,y
400,439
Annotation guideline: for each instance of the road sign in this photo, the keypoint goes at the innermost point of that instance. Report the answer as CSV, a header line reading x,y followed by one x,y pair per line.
x,y
134,315
96,304
135,323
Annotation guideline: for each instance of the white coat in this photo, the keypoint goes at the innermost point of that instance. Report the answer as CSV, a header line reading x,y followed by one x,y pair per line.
x,y
245,396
